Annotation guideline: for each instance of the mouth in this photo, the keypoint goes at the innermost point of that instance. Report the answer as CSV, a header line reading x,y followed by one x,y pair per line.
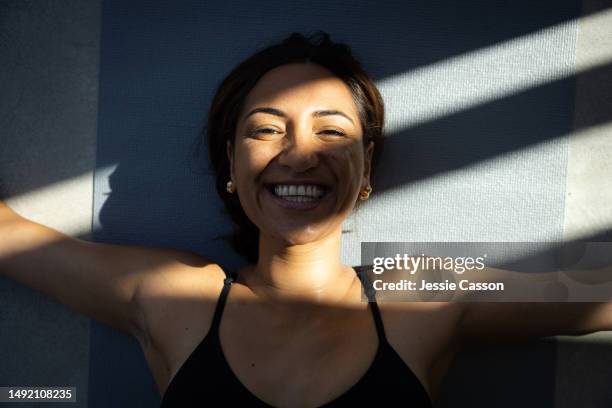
x,y
298,196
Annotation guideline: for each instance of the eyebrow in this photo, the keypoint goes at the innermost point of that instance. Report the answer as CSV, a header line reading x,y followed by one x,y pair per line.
x,y
315,114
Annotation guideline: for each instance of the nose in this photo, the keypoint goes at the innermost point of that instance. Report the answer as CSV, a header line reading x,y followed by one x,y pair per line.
x,y
300,152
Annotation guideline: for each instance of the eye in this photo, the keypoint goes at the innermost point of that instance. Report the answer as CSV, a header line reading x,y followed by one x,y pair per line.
x,y
333,132
269,131
263,132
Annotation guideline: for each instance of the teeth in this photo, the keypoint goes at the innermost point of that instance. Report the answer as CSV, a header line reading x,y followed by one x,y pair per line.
x,y
299,199
301,191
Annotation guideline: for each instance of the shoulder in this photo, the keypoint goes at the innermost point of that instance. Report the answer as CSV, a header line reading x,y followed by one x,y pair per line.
x,y
171,296
176,303
425,335
429,326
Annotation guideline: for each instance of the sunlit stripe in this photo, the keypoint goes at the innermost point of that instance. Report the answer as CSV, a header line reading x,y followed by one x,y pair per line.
x,y
589,183
102,192
480,76
65,205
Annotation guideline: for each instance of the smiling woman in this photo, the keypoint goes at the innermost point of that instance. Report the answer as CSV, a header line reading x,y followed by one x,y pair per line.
x,y
294,133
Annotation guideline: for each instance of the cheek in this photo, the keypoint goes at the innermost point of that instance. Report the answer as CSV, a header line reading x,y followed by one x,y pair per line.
x,y
351,165
250,162
355,156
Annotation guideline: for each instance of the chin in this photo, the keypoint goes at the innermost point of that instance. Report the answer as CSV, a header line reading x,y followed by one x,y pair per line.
x,y
300,236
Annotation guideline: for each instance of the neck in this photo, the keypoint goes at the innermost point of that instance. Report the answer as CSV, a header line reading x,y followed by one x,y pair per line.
x,y
309,273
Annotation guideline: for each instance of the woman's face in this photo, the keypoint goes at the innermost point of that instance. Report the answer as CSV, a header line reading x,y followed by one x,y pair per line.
x,y
297,173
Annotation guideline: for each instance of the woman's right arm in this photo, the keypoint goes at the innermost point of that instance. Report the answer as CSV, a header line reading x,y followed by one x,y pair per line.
x,y
109,283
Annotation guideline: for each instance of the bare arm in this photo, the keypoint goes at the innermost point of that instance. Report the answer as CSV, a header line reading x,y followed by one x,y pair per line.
x,y
101,281
488,322
492,322
502,320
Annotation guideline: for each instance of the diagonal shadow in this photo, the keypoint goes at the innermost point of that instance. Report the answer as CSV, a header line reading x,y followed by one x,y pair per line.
x,y
506,125
453,29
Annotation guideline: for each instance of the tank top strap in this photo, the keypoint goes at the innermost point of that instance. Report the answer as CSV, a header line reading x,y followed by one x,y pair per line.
x,y
371,295
227,282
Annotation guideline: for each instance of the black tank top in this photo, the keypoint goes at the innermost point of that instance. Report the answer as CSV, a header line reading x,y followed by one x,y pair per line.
x,y
206,376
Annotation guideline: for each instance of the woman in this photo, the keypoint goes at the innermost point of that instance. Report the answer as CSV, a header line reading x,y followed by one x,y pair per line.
x,y
294,133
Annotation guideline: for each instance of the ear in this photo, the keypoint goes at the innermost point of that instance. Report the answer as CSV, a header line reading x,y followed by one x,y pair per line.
x,y
367,168
230,155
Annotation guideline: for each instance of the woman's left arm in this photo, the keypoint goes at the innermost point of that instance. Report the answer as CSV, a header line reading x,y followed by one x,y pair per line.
x,y
494,322
519,312
489,322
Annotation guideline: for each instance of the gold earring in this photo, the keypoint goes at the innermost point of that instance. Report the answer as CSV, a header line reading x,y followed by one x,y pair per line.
x,y
231,188
365,193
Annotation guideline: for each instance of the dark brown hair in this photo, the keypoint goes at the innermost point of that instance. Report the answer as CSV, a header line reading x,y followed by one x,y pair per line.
x,y
233,90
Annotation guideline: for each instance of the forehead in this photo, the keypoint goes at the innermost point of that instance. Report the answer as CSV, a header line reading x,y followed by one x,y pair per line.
x,y
301,86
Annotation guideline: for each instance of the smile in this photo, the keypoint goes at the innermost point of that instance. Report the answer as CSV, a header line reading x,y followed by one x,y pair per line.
x,y
298,191
297,196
